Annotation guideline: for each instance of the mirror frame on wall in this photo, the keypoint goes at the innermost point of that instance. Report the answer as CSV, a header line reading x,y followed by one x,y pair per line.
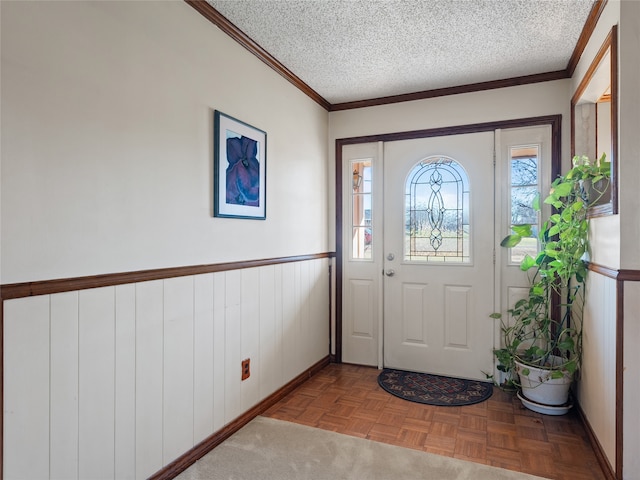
x,y
610,48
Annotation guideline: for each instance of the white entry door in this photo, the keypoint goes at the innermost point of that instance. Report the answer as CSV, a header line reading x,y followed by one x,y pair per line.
x,y
432,314
439,255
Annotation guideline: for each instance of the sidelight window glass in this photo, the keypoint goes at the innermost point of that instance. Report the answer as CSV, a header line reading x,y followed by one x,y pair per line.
x,y
524,188
361,202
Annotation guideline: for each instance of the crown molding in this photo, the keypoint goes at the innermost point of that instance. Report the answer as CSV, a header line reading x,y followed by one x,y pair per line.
x,y
211,14
215,17
585,35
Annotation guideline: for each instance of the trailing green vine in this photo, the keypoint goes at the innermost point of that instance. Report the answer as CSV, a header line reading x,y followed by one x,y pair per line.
x,y
531,333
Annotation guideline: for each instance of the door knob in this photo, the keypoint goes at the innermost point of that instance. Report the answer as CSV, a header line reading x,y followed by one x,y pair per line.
x,y
390,273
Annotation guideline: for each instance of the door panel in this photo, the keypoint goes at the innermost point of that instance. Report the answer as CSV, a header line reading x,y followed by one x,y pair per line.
x,y
436,313
457,316
363,296
532,145
361,263
415,298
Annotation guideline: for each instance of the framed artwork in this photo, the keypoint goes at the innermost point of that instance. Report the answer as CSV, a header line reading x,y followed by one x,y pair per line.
x,y
239,169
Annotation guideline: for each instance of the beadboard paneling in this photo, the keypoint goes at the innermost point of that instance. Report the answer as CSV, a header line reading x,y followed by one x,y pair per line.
x,y
125,382
118,381
270,365
250,337
64,386
96,383
219,347
203,379
26,389
178,367
597,385
149,365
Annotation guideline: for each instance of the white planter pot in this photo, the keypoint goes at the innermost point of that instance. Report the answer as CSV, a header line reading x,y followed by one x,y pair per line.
x,y
538,386
545,409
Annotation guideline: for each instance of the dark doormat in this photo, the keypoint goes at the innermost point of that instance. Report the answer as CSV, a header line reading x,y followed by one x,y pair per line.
x,y
434,389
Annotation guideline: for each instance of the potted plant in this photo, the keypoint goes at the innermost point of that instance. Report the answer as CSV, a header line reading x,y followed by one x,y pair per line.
x,y
542,334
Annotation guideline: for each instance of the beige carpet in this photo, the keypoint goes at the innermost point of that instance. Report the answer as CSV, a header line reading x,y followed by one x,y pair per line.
x,y
277,450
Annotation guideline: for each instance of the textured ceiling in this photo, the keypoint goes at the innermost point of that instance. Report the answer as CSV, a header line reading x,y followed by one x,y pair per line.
x,y
349,50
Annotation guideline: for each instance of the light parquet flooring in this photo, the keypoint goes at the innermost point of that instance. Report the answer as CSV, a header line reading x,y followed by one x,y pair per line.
x,y
499,432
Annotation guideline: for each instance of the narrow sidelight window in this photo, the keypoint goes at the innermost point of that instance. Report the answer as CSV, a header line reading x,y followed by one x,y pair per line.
x,y
361,243
524,186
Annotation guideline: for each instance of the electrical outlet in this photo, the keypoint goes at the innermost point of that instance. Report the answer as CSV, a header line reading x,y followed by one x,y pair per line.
x,y
246,370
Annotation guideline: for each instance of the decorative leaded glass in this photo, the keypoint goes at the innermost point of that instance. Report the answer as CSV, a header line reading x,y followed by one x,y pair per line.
x,y
437,212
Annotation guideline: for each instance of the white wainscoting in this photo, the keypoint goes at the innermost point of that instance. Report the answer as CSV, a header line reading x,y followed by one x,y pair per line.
x,y
117,382
631,381
597,385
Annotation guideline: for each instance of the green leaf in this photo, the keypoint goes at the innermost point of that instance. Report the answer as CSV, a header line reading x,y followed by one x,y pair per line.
x,y
540,352
525,371
541,258
566,344
522,230
604,162
563,189
496,315
537,290
555,374
520,303
571,366
510,241
536,202
553,201
577,206
527,263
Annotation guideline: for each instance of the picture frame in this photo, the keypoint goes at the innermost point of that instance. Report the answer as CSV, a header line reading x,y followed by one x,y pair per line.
x,y
239,169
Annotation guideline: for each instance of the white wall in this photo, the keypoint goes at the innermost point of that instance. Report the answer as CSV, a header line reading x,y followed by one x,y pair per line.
x,y
107,126
605,231
630,225
629,32
107,153
615,238
596,390
117,382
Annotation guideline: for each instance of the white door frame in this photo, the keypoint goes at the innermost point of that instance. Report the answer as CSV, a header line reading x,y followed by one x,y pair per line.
x,y
554,121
